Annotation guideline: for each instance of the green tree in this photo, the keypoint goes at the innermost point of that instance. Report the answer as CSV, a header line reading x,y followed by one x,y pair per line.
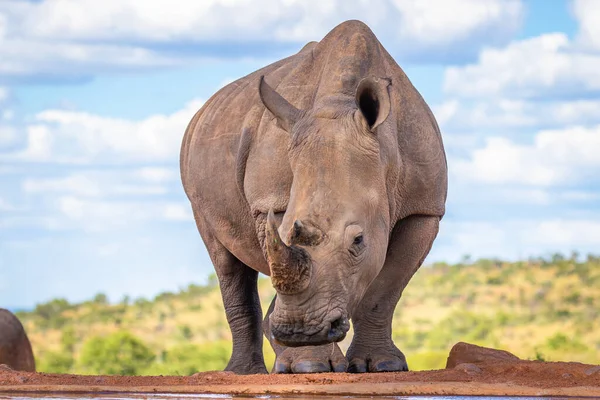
x,y
50,313
118,354
101,299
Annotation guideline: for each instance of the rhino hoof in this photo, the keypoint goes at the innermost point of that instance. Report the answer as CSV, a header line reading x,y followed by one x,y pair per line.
x,y
363,360
391,365
310,360
310,367
357,367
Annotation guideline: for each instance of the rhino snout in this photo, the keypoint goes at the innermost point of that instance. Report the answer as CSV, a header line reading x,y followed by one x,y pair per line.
x,y
332,331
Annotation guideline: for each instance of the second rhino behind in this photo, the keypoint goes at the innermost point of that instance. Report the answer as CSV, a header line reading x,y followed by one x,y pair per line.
x,y
15,349
326,171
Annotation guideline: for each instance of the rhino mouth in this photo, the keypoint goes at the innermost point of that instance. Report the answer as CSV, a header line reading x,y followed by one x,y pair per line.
x,y
330,332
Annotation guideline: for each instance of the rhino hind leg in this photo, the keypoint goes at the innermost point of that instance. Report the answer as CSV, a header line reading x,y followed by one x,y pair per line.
x,y
238,284
372,348
306,359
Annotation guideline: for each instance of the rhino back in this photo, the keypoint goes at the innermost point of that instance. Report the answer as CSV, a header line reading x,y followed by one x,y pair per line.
x,y
15,349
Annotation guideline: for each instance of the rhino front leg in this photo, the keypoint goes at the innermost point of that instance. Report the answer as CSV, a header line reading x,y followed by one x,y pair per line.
x,y
239,291
372,348
244,315
306,359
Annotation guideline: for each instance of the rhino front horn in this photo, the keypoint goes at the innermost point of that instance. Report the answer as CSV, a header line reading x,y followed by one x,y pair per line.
x,y
290,265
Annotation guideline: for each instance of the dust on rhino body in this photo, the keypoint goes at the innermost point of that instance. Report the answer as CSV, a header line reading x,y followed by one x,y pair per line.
x,y
15,349
326,171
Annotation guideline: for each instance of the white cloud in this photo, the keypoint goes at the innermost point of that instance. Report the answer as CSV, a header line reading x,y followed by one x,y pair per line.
x,y
24,221
439,22
519,196
485,115
428,21
24,58
93,184
8,170
73,38
587,13
96,200
26,54
7,115
8,135
178,212
156,174
539,67
6,206
555,157
3,90
514,239
101,215
507,197
83,138
580,195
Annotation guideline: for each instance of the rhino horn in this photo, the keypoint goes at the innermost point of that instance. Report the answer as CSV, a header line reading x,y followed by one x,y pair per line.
x,y
290,265
287,115
305,235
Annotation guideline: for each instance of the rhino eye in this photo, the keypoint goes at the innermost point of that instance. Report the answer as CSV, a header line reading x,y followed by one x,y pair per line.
x,y
358,240
358,245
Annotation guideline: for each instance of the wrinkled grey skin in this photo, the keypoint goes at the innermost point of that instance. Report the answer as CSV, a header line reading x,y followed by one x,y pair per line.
x,y
325,170
15,349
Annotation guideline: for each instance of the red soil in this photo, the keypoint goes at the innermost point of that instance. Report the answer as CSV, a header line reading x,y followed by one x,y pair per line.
x,y
525,378
494,375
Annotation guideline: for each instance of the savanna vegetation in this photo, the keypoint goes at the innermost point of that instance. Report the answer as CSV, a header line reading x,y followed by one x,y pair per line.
x,y
546,308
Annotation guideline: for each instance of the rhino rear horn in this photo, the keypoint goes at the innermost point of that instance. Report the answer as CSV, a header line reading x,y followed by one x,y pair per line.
x,y
373,100
287,115
305,235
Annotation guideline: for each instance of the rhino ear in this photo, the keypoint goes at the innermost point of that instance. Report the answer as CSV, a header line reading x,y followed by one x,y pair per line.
x,y
286,114
373,100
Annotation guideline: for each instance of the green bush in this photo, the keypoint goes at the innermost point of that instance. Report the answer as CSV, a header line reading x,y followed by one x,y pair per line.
x,y
187,359
68,340
562,342
50,313
460,325
118,354
55,363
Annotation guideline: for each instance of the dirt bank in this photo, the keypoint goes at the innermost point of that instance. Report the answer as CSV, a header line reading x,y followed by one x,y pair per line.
x,y
488,376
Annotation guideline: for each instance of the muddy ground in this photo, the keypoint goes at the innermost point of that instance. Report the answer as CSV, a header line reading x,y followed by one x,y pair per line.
x,y
479,374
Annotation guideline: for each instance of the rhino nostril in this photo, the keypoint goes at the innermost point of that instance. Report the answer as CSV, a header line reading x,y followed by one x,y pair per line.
x,y
338,329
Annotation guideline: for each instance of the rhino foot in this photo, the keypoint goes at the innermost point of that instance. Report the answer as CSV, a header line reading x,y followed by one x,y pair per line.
x,y
243,364
375,359
247,369
311,359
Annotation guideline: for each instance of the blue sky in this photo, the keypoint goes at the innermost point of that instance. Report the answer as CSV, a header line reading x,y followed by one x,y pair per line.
x,y
95,96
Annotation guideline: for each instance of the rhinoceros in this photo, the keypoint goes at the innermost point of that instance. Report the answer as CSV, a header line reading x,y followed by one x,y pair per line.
x,y
326,171
15,349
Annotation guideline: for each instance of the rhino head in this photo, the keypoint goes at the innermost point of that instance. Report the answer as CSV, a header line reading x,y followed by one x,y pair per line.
x,y
332,240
